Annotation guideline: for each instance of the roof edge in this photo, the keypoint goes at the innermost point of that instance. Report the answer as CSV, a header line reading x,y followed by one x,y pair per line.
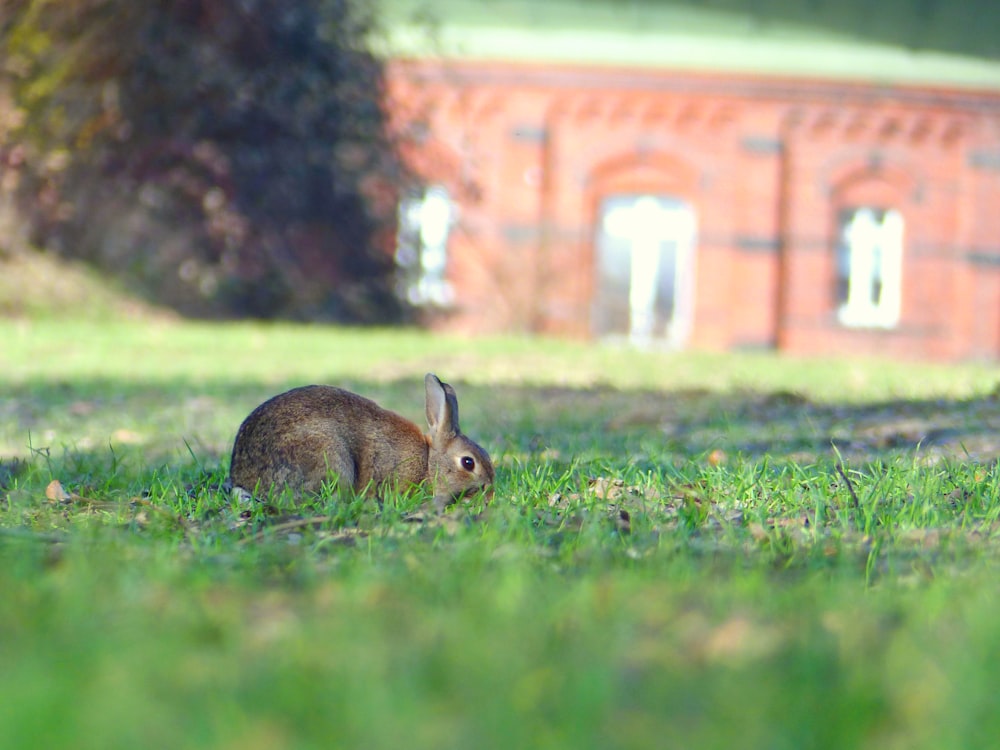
x,y
813,58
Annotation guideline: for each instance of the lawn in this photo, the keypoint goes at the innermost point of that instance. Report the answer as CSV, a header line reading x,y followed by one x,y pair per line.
x,y
684,550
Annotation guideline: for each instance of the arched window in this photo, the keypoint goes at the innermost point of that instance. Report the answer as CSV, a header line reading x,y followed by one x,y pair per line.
x,y
644,283
425,220
869,267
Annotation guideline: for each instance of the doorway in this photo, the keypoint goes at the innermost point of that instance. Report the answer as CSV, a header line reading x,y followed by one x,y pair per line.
x,y
644,269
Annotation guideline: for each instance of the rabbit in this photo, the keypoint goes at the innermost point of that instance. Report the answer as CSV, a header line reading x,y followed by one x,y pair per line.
x,y
300,438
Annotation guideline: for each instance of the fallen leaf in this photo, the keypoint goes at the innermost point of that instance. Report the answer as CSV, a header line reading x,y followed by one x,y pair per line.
x,y
56,493
607,488
717,457
128,437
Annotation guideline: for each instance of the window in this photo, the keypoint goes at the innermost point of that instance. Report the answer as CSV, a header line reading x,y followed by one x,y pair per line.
x,y
645,280
869,267
425,220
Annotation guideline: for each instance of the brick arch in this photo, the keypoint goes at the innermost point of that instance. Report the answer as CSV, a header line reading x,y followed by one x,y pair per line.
x,y
876,178
656,172
871,182
878,183
645,172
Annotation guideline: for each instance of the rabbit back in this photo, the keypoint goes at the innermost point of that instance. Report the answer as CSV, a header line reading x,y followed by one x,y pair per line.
x,y
299,438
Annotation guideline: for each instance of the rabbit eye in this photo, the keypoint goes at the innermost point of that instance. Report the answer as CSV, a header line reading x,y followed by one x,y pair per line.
x,y
468,463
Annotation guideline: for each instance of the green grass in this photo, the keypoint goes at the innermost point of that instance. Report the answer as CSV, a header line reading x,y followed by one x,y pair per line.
x,y
690,550
895,43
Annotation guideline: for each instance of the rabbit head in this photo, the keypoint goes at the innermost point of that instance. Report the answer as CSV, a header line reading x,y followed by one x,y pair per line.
x,y
456,466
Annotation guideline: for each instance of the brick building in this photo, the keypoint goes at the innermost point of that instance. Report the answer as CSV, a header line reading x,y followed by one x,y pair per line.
x,y
762,184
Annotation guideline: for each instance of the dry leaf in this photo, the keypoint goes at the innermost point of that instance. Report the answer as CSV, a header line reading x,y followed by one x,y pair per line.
x,y
128,437
56,493
607,488
717,457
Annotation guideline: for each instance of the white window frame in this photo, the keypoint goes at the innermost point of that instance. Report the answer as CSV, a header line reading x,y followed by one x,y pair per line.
x,y
646,221
425,219
870,260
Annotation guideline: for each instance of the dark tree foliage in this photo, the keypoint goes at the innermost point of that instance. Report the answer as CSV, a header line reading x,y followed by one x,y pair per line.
x,y
230,157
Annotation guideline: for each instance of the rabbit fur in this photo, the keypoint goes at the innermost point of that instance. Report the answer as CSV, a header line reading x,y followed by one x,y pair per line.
x,y
303,437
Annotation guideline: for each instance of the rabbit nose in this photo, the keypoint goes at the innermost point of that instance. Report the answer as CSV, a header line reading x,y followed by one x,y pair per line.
x,y
484,491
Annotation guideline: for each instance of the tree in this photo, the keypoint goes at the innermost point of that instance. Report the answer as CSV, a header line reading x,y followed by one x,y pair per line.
x,y
229,156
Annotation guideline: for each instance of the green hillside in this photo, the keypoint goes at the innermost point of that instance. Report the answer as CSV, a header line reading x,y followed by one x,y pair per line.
x,y
929,42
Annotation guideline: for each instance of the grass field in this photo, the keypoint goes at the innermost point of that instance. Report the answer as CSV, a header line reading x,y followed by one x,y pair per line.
x,y
690,551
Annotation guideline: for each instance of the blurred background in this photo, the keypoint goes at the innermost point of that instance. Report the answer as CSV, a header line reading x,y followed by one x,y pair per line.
x,y
804,175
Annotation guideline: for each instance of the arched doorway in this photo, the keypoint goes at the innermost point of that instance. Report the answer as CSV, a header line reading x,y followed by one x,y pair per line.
x,y
644,270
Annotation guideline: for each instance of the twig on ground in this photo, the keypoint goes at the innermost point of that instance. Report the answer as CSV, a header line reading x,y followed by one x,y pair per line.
x,y
850,486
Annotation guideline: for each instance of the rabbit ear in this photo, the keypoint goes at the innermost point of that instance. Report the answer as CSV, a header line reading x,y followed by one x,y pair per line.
x,y
442,407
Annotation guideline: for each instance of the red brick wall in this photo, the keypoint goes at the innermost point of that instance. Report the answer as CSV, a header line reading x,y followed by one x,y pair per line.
x,y
767,164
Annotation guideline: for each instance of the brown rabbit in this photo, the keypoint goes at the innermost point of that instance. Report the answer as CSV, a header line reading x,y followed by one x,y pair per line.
x,y
302,437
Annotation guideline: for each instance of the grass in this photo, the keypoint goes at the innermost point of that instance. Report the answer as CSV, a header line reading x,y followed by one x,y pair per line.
x,y
688,550
839,41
